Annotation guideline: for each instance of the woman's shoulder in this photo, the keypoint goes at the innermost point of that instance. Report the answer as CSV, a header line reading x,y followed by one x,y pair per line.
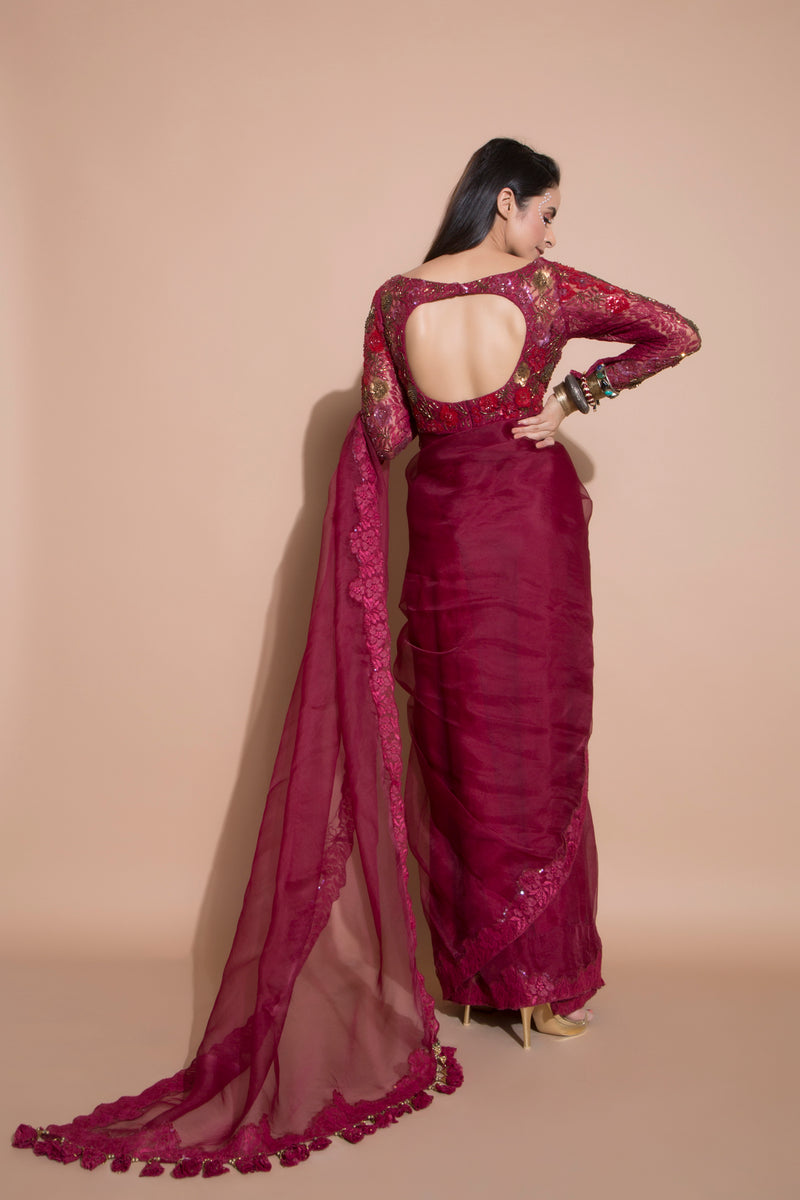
x,y
524,277
465,267
434,273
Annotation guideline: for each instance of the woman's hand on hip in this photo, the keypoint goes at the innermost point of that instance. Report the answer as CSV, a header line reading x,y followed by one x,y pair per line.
x,y
542,427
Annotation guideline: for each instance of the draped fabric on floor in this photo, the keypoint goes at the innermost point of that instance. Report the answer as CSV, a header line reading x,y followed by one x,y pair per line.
x,y
322,1024
497,658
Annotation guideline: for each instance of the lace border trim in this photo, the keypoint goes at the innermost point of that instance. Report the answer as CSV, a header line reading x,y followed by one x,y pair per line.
x,y
47,1144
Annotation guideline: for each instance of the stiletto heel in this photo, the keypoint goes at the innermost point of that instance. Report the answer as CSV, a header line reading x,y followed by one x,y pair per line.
x,y
465,1018
526,1013
546,1021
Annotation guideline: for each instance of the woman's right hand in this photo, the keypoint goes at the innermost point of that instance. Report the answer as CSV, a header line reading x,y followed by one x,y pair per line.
x,y
541,428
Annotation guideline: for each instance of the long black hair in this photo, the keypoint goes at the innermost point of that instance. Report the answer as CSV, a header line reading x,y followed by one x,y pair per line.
x,y
470,212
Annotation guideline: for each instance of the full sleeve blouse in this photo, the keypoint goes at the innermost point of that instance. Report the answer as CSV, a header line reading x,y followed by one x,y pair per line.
x,y
559,303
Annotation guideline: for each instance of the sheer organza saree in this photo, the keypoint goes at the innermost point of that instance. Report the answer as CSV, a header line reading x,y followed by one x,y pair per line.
x,y
322,1025
496,656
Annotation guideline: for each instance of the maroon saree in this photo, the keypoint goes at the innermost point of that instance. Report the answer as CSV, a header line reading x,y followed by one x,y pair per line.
x,y
322,1025
497,652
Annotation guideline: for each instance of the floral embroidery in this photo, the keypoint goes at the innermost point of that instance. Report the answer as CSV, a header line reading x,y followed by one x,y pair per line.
x,y
559,303
618,303
378,388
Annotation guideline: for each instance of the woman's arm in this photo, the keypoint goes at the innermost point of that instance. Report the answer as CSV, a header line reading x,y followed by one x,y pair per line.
x,y
592,308
383,410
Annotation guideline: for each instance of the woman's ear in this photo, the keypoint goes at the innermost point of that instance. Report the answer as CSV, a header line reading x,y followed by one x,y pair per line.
x,y
505,202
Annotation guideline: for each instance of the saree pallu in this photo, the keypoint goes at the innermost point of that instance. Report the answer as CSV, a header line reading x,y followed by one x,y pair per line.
x,y
496,656
322,1025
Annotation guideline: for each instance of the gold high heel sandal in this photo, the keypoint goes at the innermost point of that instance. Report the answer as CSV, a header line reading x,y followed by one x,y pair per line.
x,y
545,1021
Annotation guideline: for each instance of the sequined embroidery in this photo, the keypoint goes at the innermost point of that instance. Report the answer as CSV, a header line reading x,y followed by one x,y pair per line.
x,y
558,302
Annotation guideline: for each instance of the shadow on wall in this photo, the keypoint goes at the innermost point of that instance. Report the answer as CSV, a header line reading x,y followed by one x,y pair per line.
x,y
283,642
584,466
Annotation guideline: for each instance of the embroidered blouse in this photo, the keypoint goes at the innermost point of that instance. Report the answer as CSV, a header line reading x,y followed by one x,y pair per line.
x,y
558,303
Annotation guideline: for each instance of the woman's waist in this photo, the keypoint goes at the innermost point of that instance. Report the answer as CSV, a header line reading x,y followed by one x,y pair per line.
x,y
448,420
488,433
485,461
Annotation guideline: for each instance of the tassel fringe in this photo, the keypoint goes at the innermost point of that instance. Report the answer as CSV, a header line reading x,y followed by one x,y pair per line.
x,y
45,1144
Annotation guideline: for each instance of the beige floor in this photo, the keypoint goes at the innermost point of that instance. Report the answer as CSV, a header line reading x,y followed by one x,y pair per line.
x,y
683,1090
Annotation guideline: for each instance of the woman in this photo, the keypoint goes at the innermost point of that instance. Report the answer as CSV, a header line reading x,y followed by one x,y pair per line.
x,y
322,1025
497,654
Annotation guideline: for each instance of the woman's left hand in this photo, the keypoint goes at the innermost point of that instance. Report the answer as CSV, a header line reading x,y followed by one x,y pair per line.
x,y
542,427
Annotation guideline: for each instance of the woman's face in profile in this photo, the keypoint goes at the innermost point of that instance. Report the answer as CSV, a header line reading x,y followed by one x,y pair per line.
x,y
530,229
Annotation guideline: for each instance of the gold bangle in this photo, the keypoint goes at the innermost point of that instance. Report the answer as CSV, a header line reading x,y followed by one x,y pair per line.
x,y
560,394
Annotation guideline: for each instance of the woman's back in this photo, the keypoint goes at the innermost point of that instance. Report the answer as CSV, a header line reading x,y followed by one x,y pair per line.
x,y
462,347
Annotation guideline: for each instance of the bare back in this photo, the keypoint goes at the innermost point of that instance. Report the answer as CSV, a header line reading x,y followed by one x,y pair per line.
x,y
462,347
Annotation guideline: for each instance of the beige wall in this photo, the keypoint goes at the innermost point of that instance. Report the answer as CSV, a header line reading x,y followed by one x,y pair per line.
x,y
198,198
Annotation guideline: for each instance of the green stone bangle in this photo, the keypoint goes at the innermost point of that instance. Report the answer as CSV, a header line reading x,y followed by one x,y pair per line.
x,y
602,379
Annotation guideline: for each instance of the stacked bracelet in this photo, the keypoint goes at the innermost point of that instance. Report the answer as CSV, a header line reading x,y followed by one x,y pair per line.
x,y
560,394
582,393
575,393
602,379
590,394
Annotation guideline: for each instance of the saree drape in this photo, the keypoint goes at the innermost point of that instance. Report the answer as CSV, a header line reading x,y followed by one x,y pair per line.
x,y
322,1024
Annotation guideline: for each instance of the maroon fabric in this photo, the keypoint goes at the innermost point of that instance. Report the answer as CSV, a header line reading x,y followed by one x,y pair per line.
x,y
497,658
322,1024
